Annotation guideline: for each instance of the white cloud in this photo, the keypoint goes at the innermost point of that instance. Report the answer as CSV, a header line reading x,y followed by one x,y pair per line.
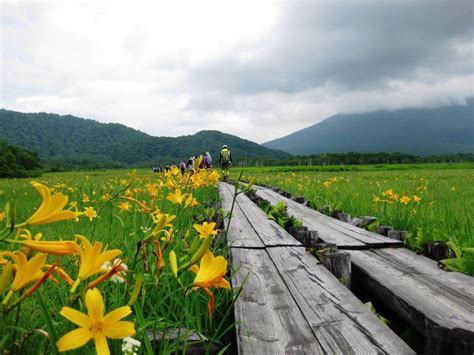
x,y
258,69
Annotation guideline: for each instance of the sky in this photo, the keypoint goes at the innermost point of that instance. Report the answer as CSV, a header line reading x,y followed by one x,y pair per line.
x,y
257,69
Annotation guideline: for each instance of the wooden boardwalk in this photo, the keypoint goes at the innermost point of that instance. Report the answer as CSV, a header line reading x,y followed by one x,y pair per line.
x,y
330,230
439,304
290,304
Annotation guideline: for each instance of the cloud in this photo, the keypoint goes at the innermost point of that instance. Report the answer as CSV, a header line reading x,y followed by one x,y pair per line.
x,y
256,69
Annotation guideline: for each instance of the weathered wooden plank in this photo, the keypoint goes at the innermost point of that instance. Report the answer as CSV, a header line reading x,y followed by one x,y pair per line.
x,y
341,323
270,233
268,319
324,233
439,304
331,230
241,233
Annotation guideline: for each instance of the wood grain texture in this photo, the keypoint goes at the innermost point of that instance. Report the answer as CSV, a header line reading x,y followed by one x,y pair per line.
x,y
341,323
241,233
269,232
439,304
268,319
330,230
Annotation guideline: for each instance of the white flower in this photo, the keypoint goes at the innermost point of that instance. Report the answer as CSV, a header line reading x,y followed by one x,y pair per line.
x,y
118,278
145,230
130,346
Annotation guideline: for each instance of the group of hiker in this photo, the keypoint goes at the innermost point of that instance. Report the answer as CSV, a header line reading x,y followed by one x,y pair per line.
x,y
205,162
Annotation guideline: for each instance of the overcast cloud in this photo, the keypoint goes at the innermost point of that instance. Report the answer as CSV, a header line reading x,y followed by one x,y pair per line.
x,y
257,69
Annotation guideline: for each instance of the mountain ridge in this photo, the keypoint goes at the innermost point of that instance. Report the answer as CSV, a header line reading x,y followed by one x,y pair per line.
x,y
444,130
68,137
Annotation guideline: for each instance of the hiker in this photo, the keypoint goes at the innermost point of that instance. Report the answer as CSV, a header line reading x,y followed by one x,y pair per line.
x,y
190,163
225,160
182,167
208,160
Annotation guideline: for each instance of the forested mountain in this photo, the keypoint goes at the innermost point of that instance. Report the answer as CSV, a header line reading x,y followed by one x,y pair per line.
x,y
69,139
444,130
18,162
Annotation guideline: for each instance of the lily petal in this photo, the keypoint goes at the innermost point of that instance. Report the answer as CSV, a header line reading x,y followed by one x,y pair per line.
x,y
94,304
117,314
74,339
119,330
101,346
75,316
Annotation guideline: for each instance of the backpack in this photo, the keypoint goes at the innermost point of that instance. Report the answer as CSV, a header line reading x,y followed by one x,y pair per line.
x,y
225,155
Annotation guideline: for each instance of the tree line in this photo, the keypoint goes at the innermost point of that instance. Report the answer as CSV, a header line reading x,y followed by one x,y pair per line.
x,y
18,162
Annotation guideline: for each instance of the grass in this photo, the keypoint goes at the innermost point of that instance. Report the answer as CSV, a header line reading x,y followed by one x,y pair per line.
x,y
164,301
438,203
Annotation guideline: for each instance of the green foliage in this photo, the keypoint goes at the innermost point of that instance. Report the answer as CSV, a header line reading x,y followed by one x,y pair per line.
x,y
416,241
18,162
374,311
379,159
162,304
444,212
463,260
62,141
278,213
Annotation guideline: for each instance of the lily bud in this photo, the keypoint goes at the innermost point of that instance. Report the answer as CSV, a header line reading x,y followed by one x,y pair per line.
x,y
136,289
173,263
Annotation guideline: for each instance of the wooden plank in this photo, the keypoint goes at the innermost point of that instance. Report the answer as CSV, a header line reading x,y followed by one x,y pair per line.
x,y
341,323
268,319
241,233
270,233
331,230
439,304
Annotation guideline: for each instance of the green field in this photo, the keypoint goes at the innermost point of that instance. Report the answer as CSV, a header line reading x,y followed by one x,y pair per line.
x,y
431,201
129,212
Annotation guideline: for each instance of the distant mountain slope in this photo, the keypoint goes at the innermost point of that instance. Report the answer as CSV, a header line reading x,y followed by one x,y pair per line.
x,y
58,137
416,131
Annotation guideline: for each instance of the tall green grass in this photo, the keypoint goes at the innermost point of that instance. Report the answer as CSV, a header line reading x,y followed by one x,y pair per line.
x,y
444,212
163,303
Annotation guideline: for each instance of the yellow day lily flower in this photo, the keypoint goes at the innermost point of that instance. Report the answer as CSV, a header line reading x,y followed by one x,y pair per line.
x,y
177,197
124,206
95,325
163,220
170,184
405,200
90,213
50,210
91,259
26,271
416,199
213,177
191,201
205,229
59,248
211,272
